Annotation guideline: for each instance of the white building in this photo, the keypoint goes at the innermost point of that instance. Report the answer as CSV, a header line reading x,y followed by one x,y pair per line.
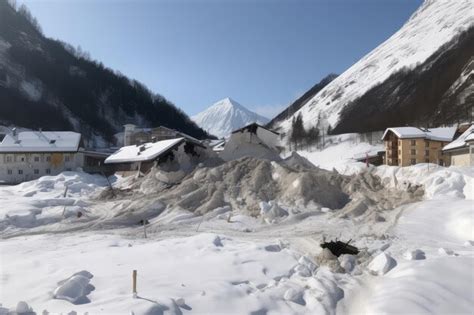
x,y
252,140
461,150
170,155
29,155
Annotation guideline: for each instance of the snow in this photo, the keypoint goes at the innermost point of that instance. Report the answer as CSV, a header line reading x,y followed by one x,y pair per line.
x,y
460,142
225,116
438,134
144,152
340,151
75,289
382,264
435,23
32,90
41,141
228,262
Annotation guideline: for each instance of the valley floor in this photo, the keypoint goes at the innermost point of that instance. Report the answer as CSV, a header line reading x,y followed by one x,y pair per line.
x,y
213,265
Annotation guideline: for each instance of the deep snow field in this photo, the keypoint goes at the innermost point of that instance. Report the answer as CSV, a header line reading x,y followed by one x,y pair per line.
x,y
419,259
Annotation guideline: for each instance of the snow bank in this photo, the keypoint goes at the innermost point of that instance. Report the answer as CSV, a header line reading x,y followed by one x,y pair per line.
x,y
382,263
268,189
75,289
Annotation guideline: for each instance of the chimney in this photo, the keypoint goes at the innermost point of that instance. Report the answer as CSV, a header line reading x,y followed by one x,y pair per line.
x,y
127,135
15,134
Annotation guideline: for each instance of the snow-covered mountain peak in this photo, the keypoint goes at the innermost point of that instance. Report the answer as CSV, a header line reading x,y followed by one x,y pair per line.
x,y
434,24
226,115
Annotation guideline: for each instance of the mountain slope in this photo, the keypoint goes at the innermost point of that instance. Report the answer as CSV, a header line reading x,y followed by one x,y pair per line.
x,y
426,54
47,84
225,116
296,105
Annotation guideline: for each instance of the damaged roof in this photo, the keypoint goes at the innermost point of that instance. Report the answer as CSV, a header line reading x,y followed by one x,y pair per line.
x,y
144,152
462,140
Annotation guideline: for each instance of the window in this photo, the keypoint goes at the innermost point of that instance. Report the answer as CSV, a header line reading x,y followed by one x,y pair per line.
x,y
413,152
48,158
427,143
427,152
9,159
399,152
37,159
67,158
399,142
36,172
22,159
413,161
413,142
9,172
427,160
20,172
48,171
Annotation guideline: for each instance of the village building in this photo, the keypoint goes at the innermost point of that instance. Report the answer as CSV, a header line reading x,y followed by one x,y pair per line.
x,y
252,140
28,155
171,155
134,135
461,150
410,145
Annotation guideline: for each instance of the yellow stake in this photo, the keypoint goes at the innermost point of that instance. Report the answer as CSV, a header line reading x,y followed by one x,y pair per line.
x,y
134,284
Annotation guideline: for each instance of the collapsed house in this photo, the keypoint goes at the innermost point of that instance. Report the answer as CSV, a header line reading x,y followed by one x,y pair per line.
x,y
170,155
133,135
252,140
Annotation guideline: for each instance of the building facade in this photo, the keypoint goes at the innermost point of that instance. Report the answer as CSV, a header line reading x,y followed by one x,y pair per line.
x,y
461,150
406,146
29,155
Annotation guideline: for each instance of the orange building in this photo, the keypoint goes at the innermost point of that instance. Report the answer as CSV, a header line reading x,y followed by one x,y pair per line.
x,y
410,145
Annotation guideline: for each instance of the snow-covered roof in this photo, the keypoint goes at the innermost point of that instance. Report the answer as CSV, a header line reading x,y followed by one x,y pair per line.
x,y
460,142
41,141
144,152
438,134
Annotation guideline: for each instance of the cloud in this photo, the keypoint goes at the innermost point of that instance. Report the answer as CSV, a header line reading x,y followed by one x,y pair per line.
x,y
268,111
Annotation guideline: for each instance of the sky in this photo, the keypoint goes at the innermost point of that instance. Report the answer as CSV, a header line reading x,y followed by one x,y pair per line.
x,y
263,54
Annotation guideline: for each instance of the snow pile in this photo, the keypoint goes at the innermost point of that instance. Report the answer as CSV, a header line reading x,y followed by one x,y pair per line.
x,y
382,264
226,116
435,23
416,254
260,187
438,181
75,289
22,308
47,200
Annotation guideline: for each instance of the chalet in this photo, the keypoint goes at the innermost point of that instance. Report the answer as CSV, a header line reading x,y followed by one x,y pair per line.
x,y
170,155
252,140
28,155
410,145
461,150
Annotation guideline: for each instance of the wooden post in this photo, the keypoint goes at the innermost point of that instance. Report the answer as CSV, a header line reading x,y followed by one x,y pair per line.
x,y
134,284
64,196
